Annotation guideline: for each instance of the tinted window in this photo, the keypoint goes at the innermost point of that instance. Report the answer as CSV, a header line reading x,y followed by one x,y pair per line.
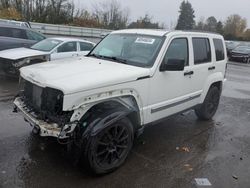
x,y
178,49
202,51
67,47
12,32
84,46
5,32
219,49
34,36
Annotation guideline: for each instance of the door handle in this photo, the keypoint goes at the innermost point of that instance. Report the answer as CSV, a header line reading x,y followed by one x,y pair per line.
x,y
74,55
211,68
188,73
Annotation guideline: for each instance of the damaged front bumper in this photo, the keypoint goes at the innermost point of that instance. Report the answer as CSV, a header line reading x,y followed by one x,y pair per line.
x,y
45,129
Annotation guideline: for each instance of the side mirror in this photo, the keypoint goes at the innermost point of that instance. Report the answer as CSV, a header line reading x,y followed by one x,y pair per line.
x,y
173,65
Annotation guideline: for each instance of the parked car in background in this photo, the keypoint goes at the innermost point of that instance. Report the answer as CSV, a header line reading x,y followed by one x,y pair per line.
x,y
16,23
12,36
241,53
230,45
46,50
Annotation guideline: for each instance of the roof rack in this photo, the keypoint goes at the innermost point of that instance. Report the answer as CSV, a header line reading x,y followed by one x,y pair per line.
x,y
199,31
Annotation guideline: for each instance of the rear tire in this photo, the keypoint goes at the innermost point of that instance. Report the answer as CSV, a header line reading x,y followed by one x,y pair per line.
x,y
209,107
248,60
109,149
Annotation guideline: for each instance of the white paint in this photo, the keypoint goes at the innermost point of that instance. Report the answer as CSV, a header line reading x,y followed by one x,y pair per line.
x,y
86,81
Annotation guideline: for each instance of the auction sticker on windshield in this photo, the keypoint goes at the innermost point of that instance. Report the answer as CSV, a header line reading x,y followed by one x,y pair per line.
x,y
145,40
55,42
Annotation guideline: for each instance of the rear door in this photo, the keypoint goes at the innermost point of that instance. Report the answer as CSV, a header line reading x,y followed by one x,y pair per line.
x,y
202,64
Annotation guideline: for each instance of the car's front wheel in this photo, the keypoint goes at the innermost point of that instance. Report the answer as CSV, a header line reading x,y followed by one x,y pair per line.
x,y
110,147
208,108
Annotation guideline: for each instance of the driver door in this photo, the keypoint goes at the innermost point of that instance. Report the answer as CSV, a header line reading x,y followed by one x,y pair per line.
x,y
171,91
66,50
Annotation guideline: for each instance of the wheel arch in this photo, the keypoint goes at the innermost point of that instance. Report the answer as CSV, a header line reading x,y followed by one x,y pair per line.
x,y
215,80
100,114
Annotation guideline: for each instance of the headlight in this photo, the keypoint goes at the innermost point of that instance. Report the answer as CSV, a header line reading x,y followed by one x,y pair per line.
x,y
52,100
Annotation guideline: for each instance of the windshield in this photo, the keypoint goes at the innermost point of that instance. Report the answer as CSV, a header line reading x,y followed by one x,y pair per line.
x,y
46,45
131,49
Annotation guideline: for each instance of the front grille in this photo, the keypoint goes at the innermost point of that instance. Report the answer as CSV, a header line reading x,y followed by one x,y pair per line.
x,y
45,103
33,96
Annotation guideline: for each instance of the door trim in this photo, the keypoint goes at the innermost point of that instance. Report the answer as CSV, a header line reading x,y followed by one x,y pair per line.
x,y
154,110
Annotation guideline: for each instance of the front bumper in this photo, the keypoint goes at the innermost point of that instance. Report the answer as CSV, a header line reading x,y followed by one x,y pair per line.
x,y
46,129
239,57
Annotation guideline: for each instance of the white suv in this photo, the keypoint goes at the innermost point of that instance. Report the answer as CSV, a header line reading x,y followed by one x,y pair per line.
x,y
130,79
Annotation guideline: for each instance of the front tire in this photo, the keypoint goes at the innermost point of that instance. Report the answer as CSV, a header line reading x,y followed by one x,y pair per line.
x,y
209,107
110,147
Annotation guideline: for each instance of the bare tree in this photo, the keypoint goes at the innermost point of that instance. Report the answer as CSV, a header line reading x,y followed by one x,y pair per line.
x,y
111,15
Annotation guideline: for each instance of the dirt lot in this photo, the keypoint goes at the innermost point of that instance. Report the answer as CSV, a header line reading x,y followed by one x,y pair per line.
x,y
170,154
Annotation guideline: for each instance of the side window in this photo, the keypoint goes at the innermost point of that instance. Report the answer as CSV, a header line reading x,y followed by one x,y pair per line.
x,y
5,32
34,36
178,49
84,46
12,32
202,51
219,49
18,33
67,47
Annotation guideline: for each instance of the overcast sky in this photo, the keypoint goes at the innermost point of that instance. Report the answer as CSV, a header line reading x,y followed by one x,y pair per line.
x,y
166,11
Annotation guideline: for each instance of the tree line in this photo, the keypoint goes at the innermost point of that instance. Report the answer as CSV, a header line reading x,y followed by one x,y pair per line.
x,y
111,15
233,28
108,15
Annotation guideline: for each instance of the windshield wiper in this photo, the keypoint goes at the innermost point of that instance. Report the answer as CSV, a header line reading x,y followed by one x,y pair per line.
x,y
120,60
94,55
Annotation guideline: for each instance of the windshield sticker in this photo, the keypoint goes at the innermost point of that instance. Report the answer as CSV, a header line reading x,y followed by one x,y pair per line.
x,y
145,40
54,42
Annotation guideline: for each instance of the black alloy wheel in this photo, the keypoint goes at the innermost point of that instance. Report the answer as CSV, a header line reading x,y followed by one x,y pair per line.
x,y
110,147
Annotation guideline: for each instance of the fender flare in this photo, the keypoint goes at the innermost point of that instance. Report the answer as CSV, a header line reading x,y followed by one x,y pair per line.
x,y
218,77
104,120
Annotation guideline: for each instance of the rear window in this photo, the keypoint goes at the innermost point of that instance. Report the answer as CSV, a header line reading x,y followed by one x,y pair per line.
x,y
219,49
34,36
202,51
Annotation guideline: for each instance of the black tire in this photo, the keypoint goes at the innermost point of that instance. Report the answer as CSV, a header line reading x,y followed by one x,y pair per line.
x,y
109,148
248,60
209,107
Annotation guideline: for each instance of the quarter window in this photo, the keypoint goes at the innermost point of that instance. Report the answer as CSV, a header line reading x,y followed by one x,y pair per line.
x,y
219,49
177,50
202,51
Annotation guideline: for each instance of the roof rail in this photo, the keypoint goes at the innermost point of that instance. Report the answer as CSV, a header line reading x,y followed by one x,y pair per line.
x,y
199,31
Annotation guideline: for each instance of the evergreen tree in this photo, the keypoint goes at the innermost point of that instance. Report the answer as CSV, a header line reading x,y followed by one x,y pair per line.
x,y
219,28
186,17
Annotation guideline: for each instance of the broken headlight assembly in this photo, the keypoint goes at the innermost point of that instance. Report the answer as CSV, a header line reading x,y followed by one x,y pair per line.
x,y
45,103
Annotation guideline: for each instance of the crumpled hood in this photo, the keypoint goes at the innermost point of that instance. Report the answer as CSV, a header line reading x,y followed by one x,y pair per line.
x,y
19,53
81,74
